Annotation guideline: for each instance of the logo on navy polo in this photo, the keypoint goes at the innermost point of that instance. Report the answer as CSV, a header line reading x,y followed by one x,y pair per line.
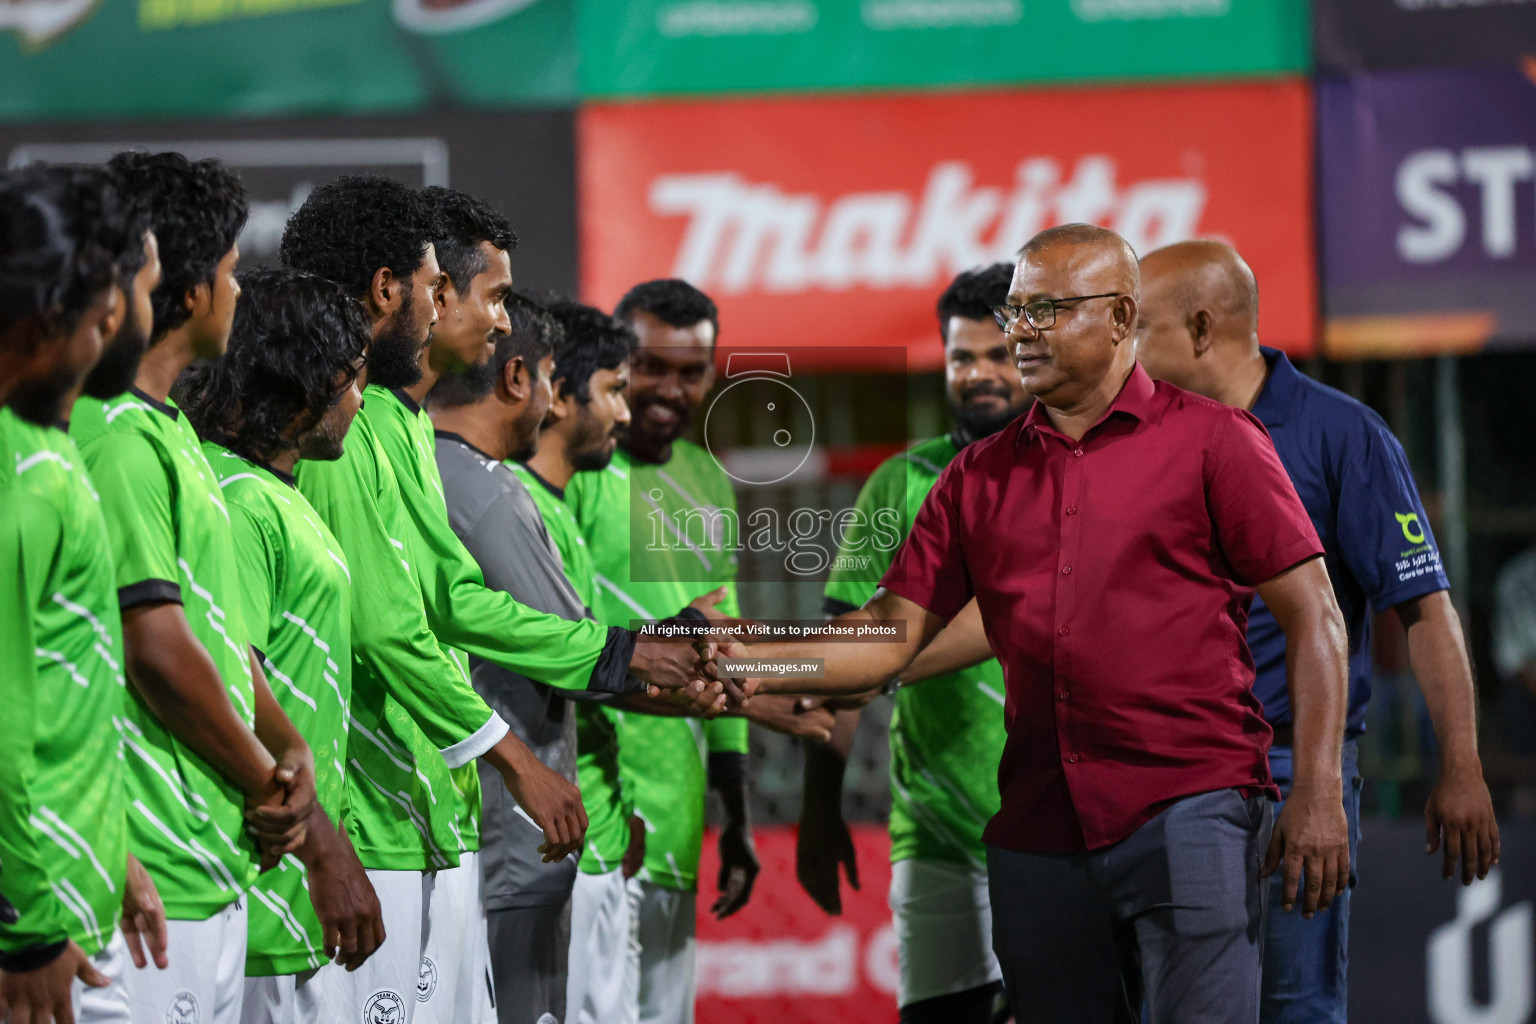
x,y
384,1007
426,980
183,1009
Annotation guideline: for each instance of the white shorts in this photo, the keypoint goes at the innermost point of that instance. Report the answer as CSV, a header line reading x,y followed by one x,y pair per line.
x,y
286,998
453,983
105,1005
205,982
668,953
943,921
603,983
384,988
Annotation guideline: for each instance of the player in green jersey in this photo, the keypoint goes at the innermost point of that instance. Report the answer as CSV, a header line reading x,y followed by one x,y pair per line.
x,y
946,736
473,244
485,417
671,373
286,390
71,260
414,716
374,237
204,739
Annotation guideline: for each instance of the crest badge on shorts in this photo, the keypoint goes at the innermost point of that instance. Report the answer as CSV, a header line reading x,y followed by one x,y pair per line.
x,y
183,1009
384,1007
426,980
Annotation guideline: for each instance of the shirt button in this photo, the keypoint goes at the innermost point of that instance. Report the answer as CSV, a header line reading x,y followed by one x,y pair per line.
x,y
1078,452
1063,631
1071,759
1066,570
1062,695
1071,510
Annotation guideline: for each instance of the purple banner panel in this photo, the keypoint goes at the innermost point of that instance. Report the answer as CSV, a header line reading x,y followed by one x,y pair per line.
x,y
1356,35
1428,211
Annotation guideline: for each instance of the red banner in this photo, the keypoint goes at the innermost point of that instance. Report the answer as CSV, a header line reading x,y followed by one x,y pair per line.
x,y
837,222
782,960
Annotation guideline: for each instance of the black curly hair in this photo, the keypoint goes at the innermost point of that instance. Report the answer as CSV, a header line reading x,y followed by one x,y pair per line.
x,y
348,228
671,300
294,335
535,334
463,222
64,231
593,341
197,210
973,293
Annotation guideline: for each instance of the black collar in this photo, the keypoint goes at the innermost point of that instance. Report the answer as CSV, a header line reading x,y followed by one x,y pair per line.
x,y
286,478
407,401
169,410
558,492
448,435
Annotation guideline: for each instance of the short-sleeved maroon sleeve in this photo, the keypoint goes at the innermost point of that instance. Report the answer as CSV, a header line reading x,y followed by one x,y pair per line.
x,y
929,568
1263,527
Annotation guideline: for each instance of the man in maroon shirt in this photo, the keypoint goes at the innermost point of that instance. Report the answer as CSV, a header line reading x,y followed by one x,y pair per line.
x,y
1112,538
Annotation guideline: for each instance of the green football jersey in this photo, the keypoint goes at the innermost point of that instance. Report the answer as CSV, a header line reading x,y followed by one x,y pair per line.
x,y
412,714
663,760
171,541
597,738
463,612
297,591
947,732
61,775
406,435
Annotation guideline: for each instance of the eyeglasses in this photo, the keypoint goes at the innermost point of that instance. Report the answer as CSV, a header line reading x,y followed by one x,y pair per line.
x,y
1041,313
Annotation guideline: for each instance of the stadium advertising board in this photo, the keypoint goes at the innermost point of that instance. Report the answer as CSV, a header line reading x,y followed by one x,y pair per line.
x,y
520,161
695,46
1425,951
186,58
1355,35
831,223
1421,950
782,959
1428,211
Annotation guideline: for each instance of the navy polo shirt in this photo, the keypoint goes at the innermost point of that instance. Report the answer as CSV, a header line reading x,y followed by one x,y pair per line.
x,y
1353,477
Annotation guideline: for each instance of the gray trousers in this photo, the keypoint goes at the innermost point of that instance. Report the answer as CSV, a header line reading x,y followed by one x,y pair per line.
x,y
528,962
1173,915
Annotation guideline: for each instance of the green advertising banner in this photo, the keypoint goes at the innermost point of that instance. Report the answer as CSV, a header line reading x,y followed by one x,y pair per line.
x,y
74,59
703,46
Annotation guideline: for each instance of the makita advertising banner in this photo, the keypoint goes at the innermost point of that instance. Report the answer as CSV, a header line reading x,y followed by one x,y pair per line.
x,y
830,223
698,46
1355,35
520,161
1428,206
185,58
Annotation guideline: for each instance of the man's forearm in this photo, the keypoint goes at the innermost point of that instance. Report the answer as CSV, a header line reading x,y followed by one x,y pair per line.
x,y
273,727
1437,653
173,674
733,803
959,645
853,667
1318,673
825,764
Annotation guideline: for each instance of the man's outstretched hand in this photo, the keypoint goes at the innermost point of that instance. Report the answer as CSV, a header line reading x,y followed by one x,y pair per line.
x,y
785,713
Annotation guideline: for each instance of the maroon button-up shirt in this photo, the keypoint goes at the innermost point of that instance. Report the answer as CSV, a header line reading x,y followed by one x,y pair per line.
x,y
1113,575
